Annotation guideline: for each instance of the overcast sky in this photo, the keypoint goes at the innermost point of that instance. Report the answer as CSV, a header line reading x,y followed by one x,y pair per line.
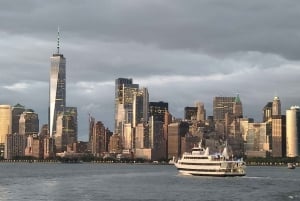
x,y
182,51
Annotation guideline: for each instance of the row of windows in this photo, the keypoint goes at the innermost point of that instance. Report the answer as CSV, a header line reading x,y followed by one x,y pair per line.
x,y
203,157
210,164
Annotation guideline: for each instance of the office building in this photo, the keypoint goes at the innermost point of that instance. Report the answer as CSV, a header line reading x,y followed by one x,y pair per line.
x,y
140,107
257,141
158,110
17,110
5,125
176,131
66,130
34,147
237,107
201,112
124,95
278,135
99,139
14,146
57,93
276,106
28,123
222,106
267,112
293,131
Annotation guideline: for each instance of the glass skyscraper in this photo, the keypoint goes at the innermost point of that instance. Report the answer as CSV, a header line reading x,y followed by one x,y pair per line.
x,y
57,88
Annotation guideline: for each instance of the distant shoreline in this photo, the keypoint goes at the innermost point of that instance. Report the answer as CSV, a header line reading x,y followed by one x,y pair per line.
x,y
122,162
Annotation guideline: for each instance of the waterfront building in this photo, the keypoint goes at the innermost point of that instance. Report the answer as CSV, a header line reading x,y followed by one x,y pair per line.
x,y
293,131
57,89
66,129
99,139
81,147
17,110
5,125
278,135
29,123
34,147
48,147
257,141
176,130
115,144
14,146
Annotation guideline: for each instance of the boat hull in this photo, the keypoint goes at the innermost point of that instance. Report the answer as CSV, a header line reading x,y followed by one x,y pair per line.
x,y
214,174
225,169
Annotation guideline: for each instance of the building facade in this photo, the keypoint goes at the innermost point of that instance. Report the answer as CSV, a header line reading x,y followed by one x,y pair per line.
x,y
57,89
158,110
221,106
29,123
66,130
278,135
14,146
293,131
124,94
17,110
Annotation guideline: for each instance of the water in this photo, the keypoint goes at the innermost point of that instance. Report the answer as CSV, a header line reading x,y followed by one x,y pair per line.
x,y
85,182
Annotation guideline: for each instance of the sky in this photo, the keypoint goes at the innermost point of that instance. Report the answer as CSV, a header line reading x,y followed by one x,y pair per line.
x,y
182,51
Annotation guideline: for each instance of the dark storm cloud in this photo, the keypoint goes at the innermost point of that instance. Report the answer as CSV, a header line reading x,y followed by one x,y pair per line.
x,y
200,48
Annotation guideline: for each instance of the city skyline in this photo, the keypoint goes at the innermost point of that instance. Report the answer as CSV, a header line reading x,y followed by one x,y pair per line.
x,y
178,50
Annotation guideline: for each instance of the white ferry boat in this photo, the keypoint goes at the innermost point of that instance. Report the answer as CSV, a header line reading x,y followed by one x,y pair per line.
x,y
200,163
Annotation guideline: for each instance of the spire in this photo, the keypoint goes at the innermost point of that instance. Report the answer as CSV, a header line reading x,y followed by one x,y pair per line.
x,y
57,40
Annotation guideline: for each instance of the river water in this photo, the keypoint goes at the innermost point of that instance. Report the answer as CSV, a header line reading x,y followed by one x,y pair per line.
x,y
132,182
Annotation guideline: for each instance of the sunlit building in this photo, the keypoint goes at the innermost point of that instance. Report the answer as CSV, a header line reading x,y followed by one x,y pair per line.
x,y
278,135
293,131
57,89
221,106
66,130
124,96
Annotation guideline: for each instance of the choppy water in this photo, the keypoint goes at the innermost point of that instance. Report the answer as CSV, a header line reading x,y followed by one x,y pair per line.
x,y
84,182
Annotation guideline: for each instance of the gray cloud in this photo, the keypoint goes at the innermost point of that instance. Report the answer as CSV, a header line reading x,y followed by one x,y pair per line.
x,y
182,51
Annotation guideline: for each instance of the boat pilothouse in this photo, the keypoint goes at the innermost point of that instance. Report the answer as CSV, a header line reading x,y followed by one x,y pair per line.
x,y
200,162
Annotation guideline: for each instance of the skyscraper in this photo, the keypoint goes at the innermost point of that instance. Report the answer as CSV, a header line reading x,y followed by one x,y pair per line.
x,y
29,123
158,110
292,131
140,107
124,94
66,129
17,110
221,106
276,106
57,89
5,122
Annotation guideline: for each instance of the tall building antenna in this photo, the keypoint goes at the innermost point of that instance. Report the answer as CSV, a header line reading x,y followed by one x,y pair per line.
x,y
58,40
